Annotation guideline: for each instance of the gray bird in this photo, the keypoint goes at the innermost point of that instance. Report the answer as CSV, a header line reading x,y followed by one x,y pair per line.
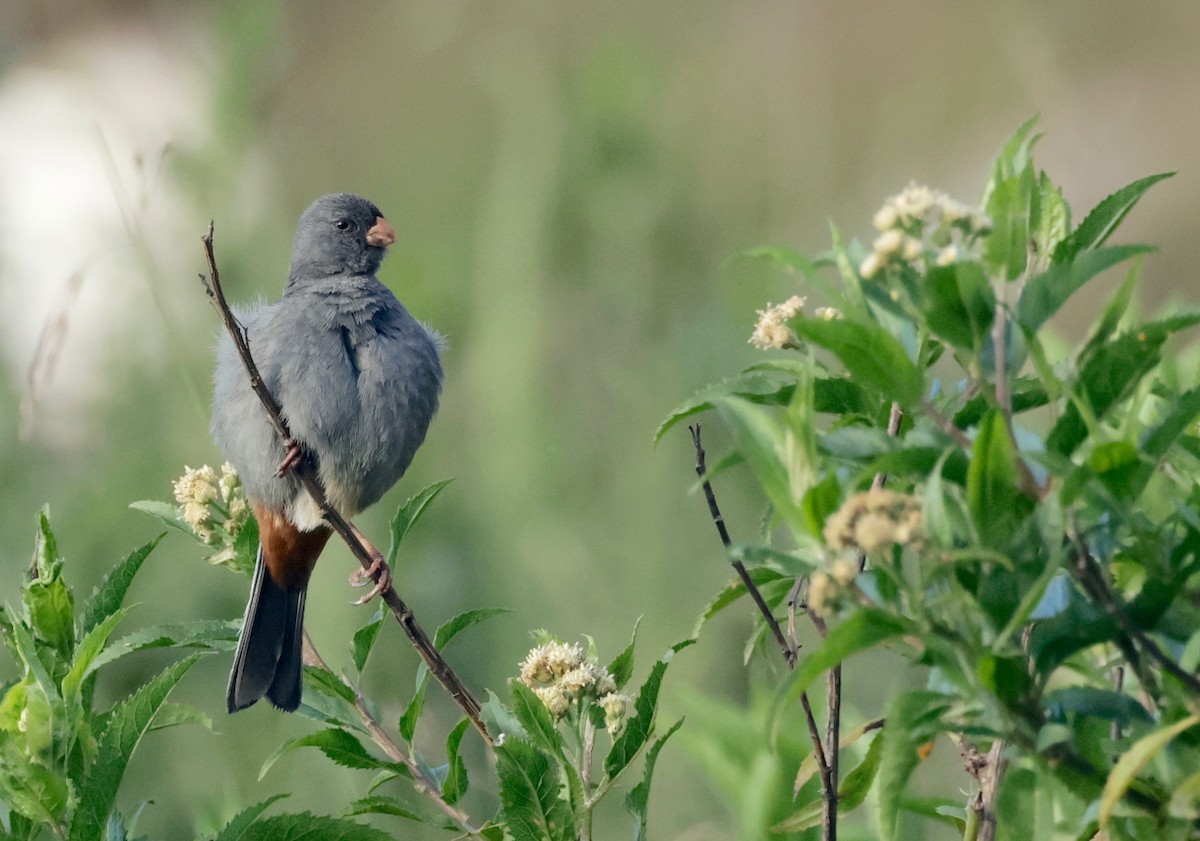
x,y
358,380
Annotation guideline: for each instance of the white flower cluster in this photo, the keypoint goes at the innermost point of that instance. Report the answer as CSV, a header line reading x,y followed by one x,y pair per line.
x,y
771,330
920,220
560,674
213,507
875,519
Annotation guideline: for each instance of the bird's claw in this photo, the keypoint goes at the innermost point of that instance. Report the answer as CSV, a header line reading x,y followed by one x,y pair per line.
x,y
379,572
291,458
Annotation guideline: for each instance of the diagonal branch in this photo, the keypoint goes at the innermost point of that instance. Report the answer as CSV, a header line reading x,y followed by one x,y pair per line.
x,y
307,474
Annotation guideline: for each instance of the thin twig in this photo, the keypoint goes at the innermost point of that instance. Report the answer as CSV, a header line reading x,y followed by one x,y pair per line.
x,y
789,653
1092,580
422,782
305,471
828,782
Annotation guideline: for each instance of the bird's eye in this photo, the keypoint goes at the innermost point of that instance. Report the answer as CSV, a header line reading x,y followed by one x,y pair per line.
x,y
344,225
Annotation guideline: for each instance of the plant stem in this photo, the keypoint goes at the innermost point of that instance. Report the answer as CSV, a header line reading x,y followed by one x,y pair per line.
x,y
585,773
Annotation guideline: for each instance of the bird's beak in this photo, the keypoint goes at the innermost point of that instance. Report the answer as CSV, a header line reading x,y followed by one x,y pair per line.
x,y
381,234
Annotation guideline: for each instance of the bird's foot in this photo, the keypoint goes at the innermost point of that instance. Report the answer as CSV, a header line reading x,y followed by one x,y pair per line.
x,y
378,571
291,458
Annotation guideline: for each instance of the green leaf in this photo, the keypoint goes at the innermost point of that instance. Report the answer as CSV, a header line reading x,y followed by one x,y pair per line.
x,y
167,513
1184,410
500,720
1090,700
640,725
851,793
529,793
865,629
447,631
409,513
208,634
172,714
88,649
733,591
125,725
1134,760
762,440
108,596
536,719
822,500
873,357
456,783
997,504
1098,225
306,826
1045,293
235,830
1053,221
960,304
340,745
381,805
637,801
857,784
621,668
49,603
364,639
752,387
912,720
1010,206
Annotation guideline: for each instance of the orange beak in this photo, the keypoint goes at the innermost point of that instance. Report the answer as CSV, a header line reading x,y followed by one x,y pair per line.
x,y
381,234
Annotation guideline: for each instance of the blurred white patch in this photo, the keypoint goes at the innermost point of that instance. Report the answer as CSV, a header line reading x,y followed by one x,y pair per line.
x,y
88,228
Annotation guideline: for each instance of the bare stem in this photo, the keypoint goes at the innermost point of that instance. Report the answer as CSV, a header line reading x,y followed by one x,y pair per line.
x,y
305,471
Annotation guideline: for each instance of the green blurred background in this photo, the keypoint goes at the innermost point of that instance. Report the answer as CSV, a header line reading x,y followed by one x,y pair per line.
x,y
570,182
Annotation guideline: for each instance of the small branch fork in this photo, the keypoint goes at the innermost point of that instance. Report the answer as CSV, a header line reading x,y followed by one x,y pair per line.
x,y
305,471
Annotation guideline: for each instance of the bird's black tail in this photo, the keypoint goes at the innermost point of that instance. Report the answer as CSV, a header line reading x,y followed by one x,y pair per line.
x,y
268,660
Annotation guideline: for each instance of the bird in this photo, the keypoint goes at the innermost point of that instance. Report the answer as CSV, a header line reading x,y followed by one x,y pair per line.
x,y
358,379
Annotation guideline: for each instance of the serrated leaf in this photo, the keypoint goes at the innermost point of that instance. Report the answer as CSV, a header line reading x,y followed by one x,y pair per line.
x,y
640,725
167,513
172,714
621,667
1184,410
88,650
1006,247
1053,222
125,725
912,720
529,793
500,719
637,801
762,440
409,513
381,805
1045,293
808,765
753,387
536,719
210,634
306,826
863,630
1134,760
341,746
996,502
456,783
1099,224
960,304
364,639
851,793
447,631
872,356
1091,700
235,830
733,591
327,683
109,594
